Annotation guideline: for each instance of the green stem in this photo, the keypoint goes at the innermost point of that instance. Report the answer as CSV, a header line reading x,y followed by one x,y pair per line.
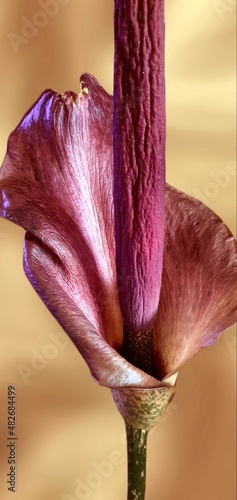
x,y
136,451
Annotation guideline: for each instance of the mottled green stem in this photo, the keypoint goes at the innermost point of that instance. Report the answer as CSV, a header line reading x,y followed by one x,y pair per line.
x,y
136,450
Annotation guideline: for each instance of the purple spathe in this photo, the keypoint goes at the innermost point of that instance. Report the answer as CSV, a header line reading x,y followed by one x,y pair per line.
x,y
57,182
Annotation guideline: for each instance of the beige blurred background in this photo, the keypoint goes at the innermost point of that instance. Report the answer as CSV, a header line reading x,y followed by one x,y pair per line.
x,y
66,424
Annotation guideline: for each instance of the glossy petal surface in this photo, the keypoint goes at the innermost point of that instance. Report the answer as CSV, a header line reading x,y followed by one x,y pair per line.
x,y
198,298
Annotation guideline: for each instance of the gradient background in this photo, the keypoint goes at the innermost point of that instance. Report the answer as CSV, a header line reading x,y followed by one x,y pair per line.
x,y
65,422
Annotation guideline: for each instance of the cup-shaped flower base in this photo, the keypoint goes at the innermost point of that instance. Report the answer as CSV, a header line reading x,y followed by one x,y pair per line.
x,y
142,408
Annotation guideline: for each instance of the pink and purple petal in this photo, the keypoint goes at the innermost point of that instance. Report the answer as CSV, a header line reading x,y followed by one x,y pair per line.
x,y
198,299
56,182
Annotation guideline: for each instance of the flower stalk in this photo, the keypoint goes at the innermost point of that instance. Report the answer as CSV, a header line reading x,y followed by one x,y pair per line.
x,y
136,452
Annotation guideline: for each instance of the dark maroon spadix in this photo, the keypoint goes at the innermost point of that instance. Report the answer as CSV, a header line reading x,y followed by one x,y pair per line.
x,y
139,158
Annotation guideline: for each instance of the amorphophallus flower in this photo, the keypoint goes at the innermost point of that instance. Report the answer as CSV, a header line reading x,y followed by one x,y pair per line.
x,y
139,275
